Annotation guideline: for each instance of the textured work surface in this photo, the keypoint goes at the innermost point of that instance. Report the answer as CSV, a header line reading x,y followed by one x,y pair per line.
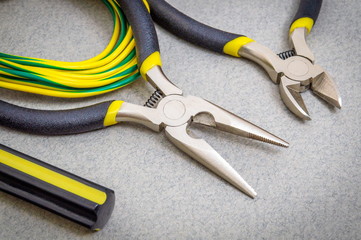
x,y
311,190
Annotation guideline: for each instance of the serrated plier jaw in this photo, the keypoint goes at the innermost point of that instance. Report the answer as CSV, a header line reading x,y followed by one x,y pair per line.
x,y
295,74
175,113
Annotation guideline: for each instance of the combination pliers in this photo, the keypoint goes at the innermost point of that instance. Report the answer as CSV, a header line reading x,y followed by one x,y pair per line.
x,y
171,111
294,70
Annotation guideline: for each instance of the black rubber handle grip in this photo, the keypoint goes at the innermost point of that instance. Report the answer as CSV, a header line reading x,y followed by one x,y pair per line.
x,y
143,28
46,122
189,29
56,190
308,8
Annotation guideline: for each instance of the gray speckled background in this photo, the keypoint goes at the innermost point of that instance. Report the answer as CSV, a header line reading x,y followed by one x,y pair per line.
x,y
310,191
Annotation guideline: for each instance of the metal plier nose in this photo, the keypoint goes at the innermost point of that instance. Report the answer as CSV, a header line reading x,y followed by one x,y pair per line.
x,y
175,113
295,72
167,109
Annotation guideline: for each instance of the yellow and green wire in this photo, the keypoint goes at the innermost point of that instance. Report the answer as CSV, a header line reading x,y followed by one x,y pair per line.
x,y
112,69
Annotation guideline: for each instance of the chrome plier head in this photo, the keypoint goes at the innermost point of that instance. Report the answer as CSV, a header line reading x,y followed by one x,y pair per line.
x,y
295,72
174,113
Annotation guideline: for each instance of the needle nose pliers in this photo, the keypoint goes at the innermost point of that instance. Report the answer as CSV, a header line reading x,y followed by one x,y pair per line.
x,y
294,70
171,111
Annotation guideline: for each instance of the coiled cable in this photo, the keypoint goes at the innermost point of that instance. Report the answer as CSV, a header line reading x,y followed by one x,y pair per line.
x,y
112,69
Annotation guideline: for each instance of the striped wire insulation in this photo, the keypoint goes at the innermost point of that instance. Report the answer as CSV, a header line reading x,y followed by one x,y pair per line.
x,y
112,69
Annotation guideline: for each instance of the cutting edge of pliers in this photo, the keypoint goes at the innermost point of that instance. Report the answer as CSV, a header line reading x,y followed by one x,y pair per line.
x,y
174,113
294,75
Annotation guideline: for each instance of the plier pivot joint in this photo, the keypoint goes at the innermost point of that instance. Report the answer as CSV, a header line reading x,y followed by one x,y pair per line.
x,y
295,74
174,113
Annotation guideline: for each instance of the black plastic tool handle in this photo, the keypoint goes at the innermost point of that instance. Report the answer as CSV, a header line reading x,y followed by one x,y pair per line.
x,y
143,28
309,9
213,39
54,122
189,29
56,190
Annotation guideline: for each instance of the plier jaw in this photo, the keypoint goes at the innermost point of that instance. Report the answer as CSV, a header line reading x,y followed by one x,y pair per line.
x,y
174,114
201,151
295,74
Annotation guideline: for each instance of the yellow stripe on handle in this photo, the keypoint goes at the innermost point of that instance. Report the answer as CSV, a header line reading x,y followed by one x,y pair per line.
x,y
146,5
110,118
53,178
232,47
150,62
305,22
